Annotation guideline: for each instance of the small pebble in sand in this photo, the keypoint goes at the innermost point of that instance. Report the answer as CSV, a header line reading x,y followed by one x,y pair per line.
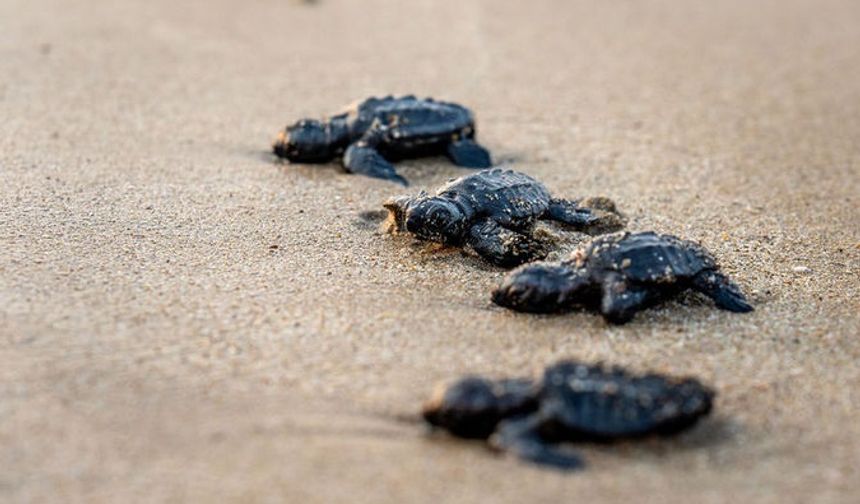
x,y
802,269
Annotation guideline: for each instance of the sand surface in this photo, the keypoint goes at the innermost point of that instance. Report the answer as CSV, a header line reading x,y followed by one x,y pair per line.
x,y
181,319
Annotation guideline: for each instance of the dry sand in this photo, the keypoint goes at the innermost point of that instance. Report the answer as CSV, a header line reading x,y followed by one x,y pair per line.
x,y
156,346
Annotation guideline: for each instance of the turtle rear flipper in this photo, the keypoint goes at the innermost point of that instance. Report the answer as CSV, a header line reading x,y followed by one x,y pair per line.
x,y
363,159
621,301
602,218
520,437
725,293
468,154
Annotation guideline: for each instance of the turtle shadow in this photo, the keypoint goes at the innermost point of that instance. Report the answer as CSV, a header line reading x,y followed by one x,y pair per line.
x,y
268,156
314,172
685,309
371,220
424,252
512,158
424,172
707,434
428,171
560,243
453,257
716,431
445,256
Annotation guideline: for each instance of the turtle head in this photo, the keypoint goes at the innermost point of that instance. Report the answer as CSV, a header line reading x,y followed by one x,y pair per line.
x,y
430,218
307,141
468,408
543,287
472,406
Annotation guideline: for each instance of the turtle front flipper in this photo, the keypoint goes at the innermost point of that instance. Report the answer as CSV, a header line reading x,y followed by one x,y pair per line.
x,y
725,293
621,300
363,159
502,246
593,215
468,154
519,436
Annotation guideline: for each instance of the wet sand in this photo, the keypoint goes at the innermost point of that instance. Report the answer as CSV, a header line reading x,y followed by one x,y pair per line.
x,y
181,319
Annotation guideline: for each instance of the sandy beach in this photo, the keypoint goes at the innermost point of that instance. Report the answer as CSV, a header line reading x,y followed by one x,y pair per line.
x,y
182,319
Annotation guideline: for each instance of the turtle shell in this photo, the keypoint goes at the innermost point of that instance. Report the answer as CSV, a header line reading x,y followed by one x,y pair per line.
x,y
408,119
645,257
511,198
598,402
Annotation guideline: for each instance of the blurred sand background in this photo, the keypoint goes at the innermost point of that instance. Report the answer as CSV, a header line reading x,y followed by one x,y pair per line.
x,y
181,319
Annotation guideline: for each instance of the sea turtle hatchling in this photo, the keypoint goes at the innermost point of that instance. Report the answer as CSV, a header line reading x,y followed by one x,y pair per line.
x,y
494,212
571,401
620,274
371,134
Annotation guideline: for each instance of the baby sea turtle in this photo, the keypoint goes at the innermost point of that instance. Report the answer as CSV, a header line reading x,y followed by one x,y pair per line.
x,y
572,401
620,274
375,132
494,211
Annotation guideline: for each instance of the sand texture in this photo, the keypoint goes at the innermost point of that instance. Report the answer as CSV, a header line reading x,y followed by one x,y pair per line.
x,y
183,320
